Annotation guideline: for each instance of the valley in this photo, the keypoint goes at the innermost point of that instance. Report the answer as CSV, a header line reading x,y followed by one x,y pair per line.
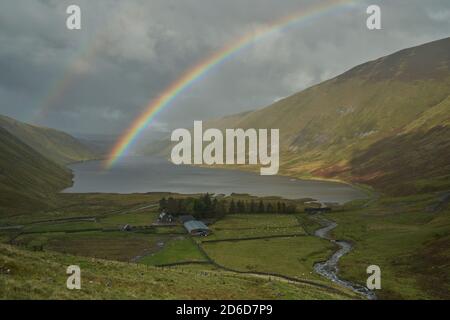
x,y
99,235
281,248
383,125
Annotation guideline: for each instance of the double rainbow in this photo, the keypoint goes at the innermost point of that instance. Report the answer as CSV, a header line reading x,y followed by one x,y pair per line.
x,y
191,75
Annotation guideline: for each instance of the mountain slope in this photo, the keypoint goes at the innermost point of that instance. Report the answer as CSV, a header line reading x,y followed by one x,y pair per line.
x,y
354,126
53,144
43,275
27,179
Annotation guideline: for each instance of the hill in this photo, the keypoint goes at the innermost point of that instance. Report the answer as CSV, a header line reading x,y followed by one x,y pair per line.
x,y
27,179
384,123
43,274
53,144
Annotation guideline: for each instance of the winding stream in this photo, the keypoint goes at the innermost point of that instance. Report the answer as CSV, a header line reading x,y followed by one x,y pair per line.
x,y
329,268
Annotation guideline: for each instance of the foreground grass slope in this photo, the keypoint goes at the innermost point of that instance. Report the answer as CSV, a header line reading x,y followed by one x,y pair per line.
x,y
53,144
28,180
90,226
408,237
32,275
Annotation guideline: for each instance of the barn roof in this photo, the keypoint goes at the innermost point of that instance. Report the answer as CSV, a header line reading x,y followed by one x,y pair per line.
x,y
195,225
186,218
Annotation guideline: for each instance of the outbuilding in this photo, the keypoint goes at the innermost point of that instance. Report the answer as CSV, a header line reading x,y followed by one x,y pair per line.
x,y
165,217
196,228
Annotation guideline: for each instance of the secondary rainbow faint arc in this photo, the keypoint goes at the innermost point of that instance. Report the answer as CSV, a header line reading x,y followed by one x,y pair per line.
x,y
72,73
194,73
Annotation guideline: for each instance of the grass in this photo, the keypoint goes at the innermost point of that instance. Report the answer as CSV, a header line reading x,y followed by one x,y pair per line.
x,y
180,249
291,256
88,205
309,225
143,218
28,180
121,246
42,275
165,245
406,238
61,227
255,225
55,145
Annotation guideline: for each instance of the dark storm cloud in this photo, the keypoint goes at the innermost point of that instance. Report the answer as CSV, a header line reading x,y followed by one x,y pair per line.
x,y
99,79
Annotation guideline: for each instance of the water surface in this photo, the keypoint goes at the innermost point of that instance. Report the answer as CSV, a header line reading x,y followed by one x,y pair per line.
x,y
150,174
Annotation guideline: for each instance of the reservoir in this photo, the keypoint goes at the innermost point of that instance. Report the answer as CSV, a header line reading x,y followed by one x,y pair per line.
x,y
141,174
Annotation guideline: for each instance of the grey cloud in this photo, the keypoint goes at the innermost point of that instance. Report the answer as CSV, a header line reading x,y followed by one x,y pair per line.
x,y
129,51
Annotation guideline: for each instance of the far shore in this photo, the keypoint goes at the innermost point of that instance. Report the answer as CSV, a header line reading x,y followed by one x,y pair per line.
x,y
369,192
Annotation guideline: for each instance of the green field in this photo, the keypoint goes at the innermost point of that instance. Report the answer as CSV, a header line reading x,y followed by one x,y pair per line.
x,y
255,225
180,249
142,218
87,205
291,256
117,245
407,238
100,237
38,275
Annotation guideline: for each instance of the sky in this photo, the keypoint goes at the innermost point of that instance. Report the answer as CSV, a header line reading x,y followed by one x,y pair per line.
x,y
97,80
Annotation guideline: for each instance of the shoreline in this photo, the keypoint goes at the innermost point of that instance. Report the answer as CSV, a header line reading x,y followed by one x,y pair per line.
x,y
361,193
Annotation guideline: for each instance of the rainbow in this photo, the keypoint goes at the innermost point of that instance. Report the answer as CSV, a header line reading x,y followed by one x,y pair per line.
x,y
74,70
59,89
193,74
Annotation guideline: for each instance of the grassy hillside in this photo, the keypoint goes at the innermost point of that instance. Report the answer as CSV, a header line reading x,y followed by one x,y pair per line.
x,y
27,179
407,237
38,275
156,261
374,124
53,144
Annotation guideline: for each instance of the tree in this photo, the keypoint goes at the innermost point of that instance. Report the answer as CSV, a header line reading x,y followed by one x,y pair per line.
x,y
240,206
199,207
207,204
162,204
220,209
261,208
232,208
172,206
291,208
252,206
189,206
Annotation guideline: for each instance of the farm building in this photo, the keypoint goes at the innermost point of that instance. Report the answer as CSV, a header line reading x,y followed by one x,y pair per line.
x,y
165,217
127,227
196,228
